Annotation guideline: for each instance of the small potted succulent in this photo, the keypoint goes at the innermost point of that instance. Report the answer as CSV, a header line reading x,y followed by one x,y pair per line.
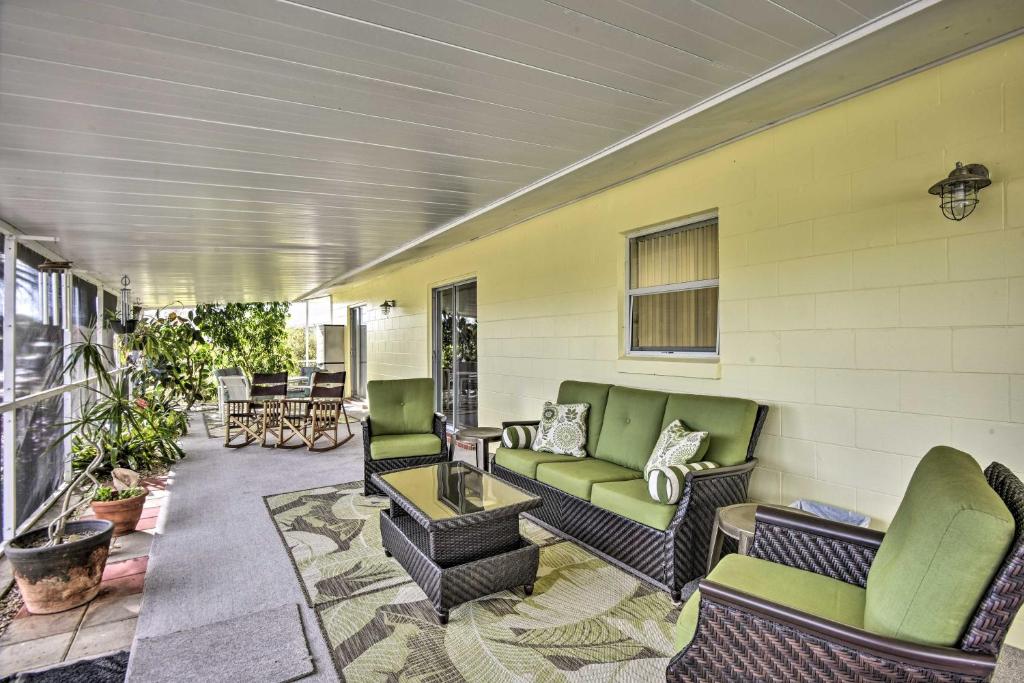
x,y
122,507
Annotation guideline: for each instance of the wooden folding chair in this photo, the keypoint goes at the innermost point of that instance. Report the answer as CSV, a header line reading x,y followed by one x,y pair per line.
x,y
326,409
247,418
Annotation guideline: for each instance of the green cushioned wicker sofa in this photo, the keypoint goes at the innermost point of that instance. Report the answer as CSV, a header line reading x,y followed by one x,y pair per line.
x,y
601,501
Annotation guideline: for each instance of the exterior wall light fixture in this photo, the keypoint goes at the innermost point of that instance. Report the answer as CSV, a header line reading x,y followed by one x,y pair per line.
x,y
958,191
386,307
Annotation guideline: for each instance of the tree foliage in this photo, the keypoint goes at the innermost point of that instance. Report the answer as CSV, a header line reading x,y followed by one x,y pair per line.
x,y
467,339
174,358
251,336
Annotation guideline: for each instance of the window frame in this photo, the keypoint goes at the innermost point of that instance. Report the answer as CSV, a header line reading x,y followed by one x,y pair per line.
x,y
690,223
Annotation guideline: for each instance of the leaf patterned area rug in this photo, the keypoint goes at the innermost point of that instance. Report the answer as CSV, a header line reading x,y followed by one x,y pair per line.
x,y
586,620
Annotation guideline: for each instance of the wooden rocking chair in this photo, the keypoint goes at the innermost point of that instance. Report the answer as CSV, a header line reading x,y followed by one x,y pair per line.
x,y
246,417
326,410
284,420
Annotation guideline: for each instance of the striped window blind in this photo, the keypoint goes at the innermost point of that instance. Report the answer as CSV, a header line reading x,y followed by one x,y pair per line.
x,y
673,290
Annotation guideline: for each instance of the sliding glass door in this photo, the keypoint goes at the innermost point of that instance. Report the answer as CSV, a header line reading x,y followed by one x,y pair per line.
x,y
357,350
455,360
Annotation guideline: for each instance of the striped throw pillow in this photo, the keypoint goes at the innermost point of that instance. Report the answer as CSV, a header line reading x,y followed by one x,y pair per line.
x,y
666,483
518,436
677,445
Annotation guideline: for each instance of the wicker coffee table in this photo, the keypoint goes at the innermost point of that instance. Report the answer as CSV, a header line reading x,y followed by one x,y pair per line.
x,y
455,529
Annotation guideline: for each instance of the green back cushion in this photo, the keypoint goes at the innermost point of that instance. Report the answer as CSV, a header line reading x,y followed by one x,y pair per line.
x,y
948,538
729,423
594,394
401,406
632,423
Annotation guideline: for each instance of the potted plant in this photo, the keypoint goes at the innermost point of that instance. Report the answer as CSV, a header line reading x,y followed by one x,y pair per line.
x,y
123,508
60,566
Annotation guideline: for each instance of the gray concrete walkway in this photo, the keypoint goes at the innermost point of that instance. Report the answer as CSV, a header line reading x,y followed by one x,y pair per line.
x,y
216,554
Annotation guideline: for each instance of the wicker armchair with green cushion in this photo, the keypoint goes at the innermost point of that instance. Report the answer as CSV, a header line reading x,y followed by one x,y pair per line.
x,y
402,429
602,501
930,600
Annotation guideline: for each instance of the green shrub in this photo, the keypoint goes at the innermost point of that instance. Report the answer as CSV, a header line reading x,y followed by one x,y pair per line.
x,y
106,494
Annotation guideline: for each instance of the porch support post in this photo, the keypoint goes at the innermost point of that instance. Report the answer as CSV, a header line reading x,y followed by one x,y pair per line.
x,y
68,398
10,441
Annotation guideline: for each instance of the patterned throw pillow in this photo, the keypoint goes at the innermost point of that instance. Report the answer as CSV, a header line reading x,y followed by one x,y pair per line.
x,y
563,429
677,445
518,436
666,483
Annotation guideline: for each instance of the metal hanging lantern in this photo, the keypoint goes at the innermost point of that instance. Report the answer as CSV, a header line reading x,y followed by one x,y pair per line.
x,y
126,322
387,306
958,191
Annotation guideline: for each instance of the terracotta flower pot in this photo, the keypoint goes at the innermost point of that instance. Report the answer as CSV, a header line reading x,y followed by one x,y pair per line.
x,y
124,514
63,576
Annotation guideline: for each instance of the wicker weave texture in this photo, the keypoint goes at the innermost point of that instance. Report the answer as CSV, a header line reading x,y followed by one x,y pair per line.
x,y
841,560
696,518
452,546
641,547
736,646
551,511
1006,593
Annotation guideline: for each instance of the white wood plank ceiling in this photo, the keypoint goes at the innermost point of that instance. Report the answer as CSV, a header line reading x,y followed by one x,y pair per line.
x,y
256,149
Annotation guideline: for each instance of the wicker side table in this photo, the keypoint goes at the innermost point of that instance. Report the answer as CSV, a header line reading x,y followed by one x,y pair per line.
x,y
455,529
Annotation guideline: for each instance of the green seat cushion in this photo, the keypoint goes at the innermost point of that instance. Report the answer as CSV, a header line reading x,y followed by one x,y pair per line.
x,y
946,541
596,395
632,424
401,406
524,461
577,478
632,500
403,445
729,423
808,592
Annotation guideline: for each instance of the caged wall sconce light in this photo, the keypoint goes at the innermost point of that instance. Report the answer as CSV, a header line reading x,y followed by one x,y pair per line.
x,y
958,191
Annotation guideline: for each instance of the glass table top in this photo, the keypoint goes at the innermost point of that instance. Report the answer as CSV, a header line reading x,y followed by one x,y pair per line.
x,y
451,489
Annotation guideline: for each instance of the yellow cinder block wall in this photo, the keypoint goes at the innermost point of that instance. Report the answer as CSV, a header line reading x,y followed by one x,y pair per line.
x,y
873,326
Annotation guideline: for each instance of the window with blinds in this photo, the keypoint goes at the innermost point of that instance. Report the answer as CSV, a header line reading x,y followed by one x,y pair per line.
x,y
672,290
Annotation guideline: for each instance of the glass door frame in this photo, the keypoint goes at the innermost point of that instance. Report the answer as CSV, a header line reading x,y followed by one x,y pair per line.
x,y
356,344
436,359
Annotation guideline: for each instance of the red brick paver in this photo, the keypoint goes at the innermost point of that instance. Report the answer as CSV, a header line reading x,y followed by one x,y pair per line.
x,y
126,568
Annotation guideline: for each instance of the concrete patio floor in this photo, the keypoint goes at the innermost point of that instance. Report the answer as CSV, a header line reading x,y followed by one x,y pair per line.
x,y
217,554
